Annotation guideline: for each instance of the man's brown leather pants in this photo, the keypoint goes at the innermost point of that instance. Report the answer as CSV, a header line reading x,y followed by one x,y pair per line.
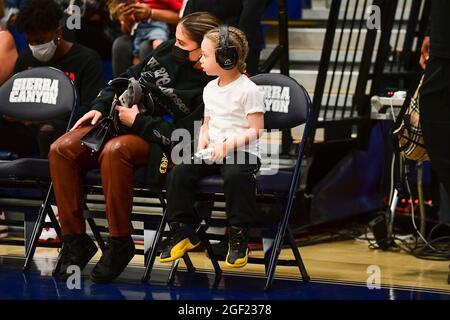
x,y
69,160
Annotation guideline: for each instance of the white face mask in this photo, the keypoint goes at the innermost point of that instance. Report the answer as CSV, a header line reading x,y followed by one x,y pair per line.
x,y
44,52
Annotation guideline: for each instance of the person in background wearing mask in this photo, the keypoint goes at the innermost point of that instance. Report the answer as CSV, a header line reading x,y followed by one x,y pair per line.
x,y
41,22
172,75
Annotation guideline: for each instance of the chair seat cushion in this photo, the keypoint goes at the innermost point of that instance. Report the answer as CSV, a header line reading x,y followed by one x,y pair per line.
x,y
25,169
267,181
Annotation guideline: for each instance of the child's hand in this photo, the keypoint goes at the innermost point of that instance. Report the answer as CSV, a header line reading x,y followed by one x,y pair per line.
x,y
202,144
203,140
219,153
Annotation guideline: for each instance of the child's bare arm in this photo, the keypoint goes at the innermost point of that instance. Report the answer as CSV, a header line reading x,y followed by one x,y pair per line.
x,y
203,140
255,130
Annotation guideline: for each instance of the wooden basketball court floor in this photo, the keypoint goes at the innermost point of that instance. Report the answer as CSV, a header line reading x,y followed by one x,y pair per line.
x,y
339,270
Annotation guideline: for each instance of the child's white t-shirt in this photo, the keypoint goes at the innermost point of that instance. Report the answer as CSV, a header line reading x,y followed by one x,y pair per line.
x,y
228,107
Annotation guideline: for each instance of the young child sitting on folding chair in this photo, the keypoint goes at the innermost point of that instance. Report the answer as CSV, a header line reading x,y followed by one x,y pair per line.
x,y
233,122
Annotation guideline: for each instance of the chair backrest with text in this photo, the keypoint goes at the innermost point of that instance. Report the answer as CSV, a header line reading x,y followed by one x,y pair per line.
x,y
39,94
287,105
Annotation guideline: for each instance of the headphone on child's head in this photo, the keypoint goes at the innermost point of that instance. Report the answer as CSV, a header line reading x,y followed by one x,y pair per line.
x,y
226,56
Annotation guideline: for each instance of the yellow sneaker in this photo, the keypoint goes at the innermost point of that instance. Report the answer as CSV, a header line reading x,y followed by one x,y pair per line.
x,y
182,238
237,256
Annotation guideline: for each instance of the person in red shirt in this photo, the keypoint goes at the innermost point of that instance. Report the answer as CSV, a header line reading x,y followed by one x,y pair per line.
x,y
164,4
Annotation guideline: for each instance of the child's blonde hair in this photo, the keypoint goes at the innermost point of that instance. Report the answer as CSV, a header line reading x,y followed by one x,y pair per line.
x,y
236,38
112,8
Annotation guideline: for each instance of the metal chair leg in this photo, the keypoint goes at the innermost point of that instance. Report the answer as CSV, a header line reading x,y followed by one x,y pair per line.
x,y
282,227
162,201
188,262
297,256
154,249
204,240
173,272
273,261
57,268
34,240
97,235
37,230
268,239
55,223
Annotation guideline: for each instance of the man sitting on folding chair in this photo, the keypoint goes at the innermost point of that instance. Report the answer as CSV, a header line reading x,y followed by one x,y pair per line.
x,y
233,121
40,21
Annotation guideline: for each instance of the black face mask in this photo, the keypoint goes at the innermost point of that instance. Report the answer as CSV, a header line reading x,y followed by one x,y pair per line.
x,y
181,56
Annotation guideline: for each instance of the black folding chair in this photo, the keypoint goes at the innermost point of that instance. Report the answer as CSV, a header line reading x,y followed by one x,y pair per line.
x,y
287,105
39,94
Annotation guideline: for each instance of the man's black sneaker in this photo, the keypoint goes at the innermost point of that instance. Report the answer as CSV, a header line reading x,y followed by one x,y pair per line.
x,y
118,253
182,238
77,250
237,256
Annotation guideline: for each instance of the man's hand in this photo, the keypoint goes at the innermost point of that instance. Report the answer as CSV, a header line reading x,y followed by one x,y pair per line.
x,y
127,115
93,116
425,52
